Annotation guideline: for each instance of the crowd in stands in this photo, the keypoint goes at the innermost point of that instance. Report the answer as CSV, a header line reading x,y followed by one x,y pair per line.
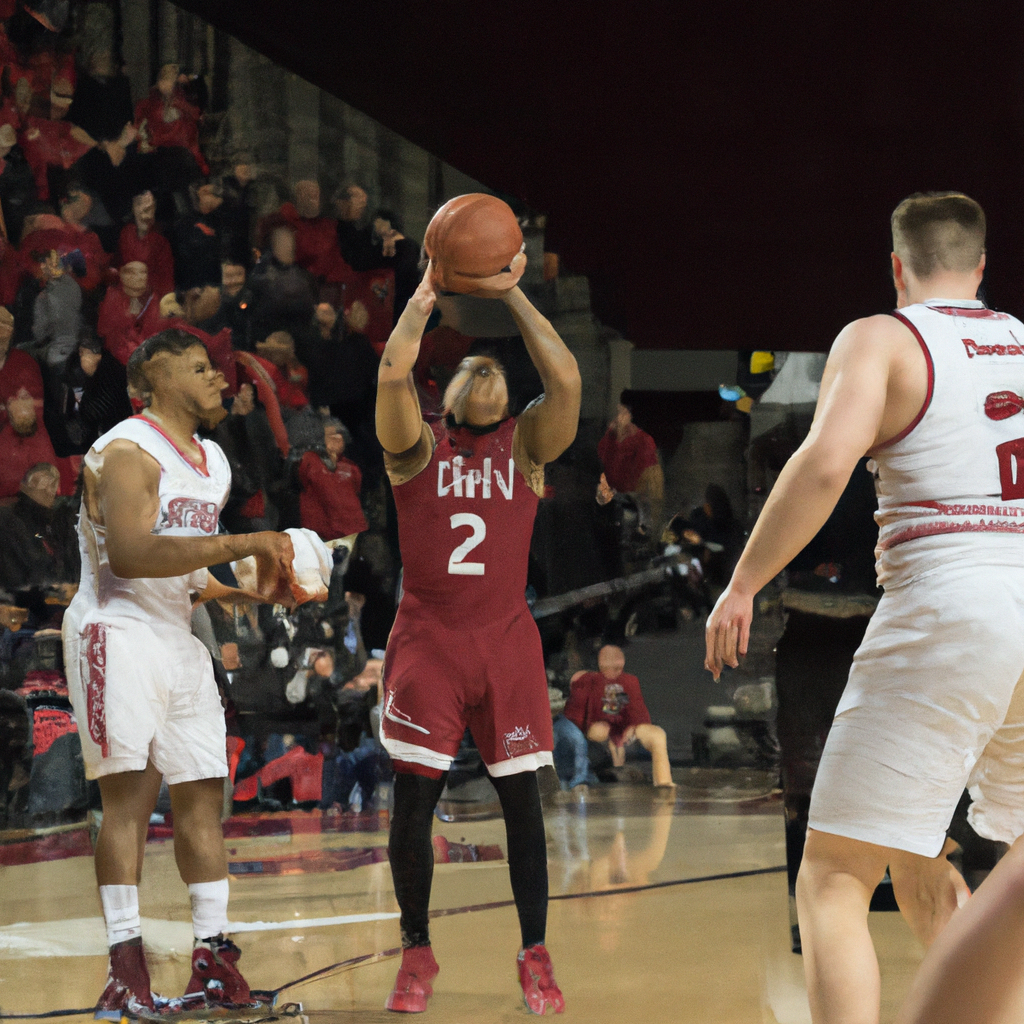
x,y
114,225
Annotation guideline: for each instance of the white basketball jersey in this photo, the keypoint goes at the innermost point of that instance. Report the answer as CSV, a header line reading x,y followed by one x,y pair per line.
x,y
955,476
191,498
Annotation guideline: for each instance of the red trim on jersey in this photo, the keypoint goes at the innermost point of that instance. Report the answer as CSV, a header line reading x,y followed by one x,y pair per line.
x,y
937,529
94,639
931,385
973,312
202,468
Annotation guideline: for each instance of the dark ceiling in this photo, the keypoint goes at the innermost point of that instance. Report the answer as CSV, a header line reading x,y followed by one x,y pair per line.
x,y
723,173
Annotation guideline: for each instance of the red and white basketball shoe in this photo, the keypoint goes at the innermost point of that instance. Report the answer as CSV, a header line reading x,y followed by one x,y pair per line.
x,y
537,976
215,974
412,986
127,993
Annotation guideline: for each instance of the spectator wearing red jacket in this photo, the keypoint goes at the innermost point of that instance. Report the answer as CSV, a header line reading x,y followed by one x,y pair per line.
x,y
129,312
142,242
67,235
316,237
18,370
166,120
329,502
24,443
629,457
608,707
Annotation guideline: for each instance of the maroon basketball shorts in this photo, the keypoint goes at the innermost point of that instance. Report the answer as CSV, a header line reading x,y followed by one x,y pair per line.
x,y
440,677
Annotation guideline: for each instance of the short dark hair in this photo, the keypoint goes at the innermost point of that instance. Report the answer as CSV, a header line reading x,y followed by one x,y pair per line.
x,y
933,231
173,340
391,217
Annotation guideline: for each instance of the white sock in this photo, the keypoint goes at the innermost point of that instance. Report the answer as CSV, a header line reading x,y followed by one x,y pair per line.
x,y
209,908
121,912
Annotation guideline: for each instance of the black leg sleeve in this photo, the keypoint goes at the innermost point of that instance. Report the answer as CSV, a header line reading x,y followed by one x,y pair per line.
x,y
527,851
411,853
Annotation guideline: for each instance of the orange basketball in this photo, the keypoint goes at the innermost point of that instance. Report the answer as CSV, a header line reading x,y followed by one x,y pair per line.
x,y
471,237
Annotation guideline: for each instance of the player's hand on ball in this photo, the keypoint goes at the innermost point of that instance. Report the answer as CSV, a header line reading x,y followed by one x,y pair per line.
x,y
498,286
274,573
425,295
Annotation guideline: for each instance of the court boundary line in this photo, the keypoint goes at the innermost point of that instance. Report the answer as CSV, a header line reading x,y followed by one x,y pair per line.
x,y
387,954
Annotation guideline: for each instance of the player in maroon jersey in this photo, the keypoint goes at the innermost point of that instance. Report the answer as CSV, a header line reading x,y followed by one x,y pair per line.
x,y
464,649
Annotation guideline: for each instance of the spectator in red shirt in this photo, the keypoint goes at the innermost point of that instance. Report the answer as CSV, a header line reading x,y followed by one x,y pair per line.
x,y
18,370
630,460
329,502
142,242
166,120
608,707
316,237
129,312
24,442
290,377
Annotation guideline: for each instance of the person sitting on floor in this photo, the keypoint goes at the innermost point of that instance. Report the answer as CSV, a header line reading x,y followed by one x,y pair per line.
x,y
608,707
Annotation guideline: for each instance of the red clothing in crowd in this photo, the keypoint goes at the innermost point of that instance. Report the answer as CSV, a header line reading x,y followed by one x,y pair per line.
x,y
19,371
48,143
291,389
154,250
329,502
316,246
175,125
625,461
22,453
122,330
52,233
617,701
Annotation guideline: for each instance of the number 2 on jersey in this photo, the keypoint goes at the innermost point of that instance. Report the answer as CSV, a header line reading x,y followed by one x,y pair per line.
x,y
1011,468
457,565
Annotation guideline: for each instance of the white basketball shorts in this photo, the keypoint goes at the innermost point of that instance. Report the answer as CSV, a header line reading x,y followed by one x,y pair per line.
x,y
144,692
934,703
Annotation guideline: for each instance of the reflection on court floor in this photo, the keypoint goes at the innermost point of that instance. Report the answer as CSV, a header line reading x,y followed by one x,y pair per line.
x,y
663,909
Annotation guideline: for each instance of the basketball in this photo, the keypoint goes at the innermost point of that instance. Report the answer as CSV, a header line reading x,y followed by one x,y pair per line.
x,y
470,238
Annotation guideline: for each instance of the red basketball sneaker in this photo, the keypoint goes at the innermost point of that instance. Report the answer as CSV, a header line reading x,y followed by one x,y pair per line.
x,y
127,993
215,974
537,976
412,986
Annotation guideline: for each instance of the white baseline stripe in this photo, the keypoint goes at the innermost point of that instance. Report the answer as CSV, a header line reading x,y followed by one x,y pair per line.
x,y
310,922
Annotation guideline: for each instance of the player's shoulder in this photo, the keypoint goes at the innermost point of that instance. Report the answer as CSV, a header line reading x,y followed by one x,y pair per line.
x,y
871,336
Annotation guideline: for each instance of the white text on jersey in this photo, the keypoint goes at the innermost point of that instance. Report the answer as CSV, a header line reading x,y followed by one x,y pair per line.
x,y
465,484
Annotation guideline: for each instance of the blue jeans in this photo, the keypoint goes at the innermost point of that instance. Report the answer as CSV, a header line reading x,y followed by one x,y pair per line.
x,y
572,763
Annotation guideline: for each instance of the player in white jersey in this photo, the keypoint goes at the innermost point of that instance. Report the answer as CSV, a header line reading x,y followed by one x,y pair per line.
x,y
934,701
141,684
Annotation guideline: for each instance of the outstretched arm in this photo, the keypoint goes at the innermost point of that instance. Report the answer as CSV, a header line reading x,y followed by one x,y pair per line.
x,y
399,422
127,496
847,423
548,427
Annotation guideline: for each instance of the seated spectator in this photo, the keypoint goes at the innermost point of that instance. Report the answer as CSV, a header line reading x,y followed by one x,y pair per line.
x,y
37,547
199,238
316,237
284,295
354,238
630,460
52,141
141,241
18,370
24,443
90,397
17,183
608,707
572,764
399,253
69,235
290,377
235,308
129,312
329,501
57,315
166,120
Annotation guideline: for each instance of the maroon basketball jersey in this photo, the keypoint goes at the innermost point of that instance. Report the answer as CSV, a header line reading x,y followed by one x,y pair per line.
x,y
464,527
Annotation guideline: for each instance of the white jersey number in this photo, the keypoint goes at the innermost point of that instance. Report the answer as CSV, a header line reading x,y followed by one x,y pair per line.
x,y
1011,468
456,564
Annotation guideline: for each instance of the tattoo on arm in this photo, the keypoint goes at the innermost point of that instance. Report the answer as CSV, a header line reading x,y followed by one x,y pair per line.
x,y
387,362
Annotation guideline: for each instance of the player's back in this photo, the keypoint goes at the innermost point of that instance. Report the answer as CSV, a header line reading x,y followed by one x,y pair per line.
x,y
465,524
191,498
953,482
